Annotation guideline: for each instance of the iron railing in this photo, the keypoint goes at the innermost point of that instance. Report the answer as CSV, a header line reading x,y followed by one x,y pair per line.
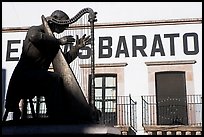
x,y
172,111
116,111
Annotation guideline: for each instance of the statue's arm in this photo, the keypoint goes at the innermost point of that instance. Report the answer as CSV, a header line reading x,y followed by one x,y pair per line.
x,y
73,52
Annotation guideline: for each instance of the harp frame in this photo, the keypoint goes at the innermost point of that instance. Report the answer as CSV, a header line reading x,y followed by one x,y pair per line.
x,y
91,19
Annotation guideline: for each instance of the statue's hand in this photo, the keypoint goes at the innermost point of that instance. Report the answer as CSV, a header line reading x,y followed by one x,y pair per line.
x,y
83,41
66,40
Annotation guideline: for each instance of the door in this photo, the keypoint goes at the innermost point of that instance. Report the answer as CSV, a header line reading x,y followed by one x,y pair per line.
x,y
171,98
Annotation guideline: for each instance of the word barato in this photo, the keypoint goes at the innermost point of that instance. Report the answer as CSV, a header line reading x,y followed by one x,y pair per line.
x,y
106,50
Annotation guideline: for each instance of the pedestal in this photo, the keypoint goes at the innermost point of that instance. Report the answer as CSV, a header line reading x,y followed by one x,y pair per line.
x,y
59,129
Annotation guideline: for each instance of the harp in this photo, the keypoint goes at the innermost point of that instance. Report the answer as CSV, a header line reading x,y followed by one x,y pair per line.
x,y
60,65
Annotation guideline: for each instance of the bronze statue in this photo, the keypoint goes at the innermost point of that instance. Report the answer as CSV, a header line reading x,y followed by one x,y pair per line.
x,y
32,78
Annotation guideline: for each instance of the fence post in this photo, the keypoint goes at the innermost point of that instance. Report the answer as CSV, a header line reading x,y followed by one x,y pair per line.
x,y
142,112
130,111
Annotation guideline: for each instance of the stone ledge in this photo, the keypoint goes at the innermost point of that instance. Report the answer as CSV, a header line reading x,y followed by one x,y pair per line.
x,y
172,128
178,62
60,129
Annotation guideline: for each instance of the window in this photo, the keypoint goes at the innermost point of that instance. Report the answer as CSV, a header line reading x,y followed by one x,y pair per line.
x,y
105,97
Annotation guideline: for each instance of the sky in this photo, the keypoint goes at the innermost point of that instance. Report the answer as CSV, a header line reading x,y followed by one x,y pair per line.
x,y
18,14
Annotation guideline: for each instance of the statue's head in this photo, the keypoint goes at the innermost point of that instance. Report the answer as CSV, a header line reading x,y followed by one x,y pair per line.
x,y
59,15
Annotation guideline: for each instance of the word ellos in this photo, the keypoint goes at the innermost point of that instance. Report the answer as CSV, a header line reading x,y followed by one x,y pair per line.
x,y
106,50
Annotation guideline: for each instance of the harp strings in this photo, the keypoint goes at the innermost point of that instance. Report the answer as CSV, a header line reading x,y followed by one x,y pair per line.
x,y
80,27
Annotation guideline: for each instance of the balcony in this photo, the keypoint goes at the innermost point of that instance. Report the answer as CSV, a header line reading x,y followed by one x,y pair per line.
x,y
172,116
117,111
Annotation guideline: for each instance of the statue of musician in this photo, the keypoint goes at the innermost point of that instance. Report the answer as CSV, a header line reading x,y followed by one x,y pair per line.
x,y
31,76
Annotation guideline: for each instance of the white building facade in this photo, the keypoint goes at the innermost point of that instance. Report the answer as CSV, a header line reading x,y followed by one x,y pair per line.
x,y
159,58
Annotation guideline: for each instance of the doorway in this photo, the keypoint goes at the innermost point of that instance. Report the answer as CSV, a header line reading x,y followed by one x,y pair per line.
x,y
171,98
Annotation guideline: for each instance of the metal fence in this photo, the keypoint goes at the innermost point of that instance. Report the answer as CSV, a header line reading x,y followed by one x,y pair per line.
x,y
173,111
118,111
